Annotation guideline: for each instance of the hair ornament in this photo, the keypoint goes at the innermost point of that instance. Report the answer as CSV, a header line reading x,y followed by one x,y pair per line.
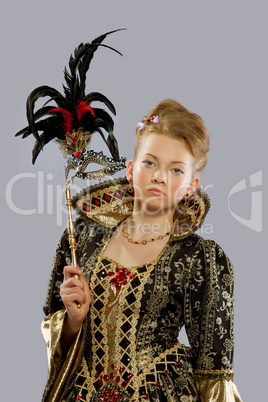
x,y
141,125
154,119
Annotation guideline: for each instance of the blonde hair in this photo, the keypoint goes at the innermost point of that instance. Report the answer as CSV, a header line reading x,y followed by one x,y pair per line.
x,y
175,121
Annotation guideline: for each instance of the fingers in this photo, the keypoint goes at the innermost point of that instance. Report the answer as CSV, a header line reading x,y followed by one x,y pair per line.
x,y
73,294
73,283
74,291
69,271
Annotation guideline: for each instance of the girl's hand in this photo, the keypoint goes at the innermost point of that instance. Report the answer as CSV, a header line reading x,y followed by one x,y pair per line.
x,y
75,291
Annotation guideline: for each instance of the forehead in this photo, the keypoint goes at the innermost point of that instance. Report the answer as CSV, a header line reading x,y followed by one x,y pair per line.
x,y
166,148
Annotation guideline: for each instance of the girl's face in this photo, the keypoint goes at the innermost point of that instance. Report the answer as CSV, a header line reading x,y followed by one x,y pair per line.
x,y
162,173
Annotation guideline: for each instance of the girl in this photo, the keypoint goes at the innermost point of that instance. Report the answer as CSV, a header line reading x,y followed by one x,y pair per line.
x,y
112,324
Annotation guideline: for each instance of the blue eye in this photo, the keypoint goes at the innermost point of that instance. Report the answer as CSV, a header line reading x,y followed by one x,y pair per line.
x,y
148,163
177,171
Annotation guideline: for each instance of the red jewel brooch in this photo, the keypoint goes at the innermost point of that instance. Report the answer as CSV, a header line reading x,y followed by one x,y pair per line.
x,y
119,277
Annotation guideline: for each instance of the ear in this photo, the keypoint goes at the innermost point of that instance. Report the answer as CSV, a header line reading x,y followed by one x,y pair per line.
x,y
130,166
193,186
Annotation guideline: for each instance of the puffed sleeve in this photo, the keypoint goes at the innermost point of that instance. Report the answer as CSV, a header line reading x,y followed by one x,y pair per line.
x,y
61,362
208,312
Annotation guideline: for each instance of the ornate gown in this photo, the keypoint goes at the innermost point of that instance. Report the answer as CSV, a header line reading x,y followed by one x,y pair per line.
x,y
128,348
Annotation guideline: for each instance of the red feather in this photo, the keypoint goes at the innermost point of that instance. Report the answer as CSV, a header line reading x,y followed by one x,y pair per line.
x,y
67,119
82,108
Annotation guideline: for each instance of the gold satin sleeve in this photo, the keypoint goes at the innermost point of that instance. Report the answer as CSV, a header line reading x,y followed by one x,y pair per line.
x,y
216,386
61,363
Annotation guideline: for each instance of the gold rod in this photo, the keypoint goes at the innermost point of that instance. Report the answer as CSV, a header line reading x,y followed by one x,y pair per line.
x,y
72,240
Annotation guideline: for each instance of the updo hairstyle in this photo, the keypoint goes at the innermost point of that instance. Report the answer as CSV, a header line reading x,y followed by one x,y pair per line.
x,y
175,121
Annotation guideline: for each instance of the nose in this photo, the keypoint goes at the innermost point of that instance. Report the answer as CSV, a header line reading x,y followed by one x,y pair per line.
x,y
159,177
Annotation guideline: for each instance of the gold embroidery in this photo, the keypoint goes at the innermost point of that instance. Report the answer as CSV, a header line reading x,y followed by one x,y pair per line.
x,y
226,374
114,293
110,202
85,380
191,283
127,306
177,357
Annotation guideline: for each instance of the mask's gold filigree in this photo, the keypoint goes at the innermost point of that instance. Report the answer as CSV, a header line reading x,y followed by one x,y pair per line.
x,y
75,143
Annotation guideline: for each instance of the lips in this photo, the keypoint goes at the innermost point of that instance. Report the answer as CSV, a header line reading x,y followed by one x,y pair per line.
x,y
156,191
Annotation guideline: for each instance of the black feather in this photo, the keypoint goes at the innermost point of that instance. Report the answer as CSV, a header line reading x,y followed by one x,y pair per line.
x,y
54,124
39,145
98,97
113,147
32,98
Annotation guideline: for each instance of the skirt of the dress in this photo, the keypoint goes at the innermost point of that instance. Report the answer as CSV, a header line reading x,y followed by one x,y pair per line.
x,y
174,383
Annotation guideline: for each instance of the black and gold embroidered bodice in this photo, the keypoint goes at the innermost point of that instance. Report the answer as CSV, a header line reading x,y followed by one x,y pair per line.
x,y
128,349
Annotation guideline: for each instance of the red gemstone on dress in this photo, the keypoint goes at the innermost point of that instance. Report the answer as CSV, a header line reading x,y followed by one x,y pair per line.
x,y
112,366
132,276
100,382
146,395
86,207
78,154
157,384
79,397
166,371
111,376
110,273
96,202
118,286
113,281
124,384
75,138
117,269
177,362
186,355
97,375
106,378
117,379
121,370
120,276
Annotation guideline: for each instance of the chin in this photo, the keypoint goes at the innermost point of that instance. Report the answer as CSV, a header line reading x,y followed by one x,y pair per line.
x,y
155,206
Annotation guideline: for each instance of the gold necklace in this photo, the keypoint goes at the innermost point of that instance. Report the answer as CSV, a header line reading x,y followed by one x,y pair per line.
x,y
144,242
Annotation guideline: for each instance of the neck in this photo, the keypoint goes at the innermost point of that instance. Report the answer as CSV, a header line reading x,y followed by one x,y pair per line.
x,y
144,223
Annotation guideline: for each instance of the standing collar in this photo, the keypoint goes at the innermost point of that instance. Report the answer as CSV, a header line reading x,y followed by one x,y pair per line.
x,y
110,202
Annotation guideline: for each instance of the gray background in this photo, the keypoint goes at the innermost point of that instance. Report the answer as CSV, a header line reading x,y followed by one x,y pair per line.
x,y
212,57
